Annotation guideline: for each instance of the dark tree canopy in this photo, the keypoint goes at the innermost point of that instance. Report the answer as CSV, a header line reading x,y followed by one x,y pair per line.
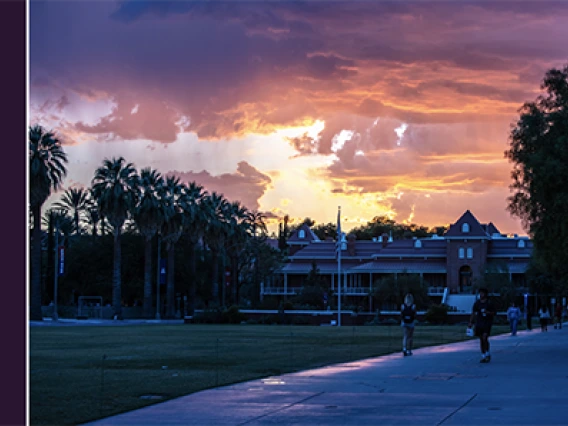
x,y
539,153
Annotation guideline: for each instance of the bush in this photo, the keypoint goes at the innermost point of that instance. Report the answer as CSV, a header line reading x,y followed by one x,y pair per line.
x,y
288,305
437,314
232,315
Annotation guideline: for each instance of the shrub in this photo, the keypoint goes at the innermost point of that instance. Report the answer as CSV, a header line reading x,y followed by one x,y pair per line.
x,y
437,314
232,315
288,305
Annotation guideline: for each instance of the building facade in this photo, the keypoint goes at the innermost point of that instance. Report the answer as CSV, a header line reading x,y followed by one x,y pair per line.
x,y
448,265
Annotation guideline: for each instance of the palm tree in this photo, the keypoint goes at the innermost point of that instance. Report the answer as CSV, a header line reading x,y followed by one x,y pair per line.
x,y
216,208
149,216
172,229
115,187
75,201
47,169
258,227
92,214
194,221
239,228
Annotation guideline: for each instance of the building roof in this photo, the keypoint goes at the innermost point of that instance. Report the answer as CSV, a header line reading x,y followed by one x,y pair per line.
x,y
510,247
475,228
372,249
309,236
392,267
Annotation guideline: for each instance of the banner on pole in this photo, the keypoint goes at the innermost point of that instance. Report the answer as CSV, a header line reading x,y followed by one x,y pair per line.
x,y
61,264
163,273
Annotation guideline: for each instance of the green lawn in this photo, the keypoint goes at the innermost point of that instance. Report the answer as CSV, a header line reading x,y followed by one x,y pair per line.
x,y
82,373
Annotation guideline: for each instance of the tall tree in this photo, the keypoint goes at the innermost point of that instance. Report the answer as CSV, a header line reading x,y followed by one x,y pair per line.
x,y
194,223
240,224
47,169
149,215
539,153
216,207
115,187
173,198
92,214
76,201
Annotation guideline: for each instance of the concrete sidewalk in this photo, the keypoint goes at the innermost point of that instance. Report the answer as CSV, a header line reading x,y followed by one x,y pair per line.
x,y
526,383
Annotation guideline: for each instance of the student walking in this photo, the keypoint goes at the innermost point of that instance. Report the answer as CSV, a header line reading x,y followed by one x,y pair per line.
x,y
483,312
407,315
513,315
558,316
544,315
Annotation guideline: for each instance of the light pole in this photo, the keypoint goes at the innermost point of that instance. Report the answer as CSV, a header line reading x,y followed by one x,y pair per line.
x,y
158,279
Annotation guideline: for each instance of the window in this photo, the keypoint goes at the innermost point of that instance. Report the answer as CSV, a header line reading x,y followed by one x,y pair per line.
x,y
461,254
469,253
302,234
417,244
465,228
521,244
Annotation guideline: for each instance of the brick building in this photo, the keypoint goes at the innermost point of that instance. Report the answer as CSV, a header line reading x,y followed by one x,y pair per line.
x,y
448,265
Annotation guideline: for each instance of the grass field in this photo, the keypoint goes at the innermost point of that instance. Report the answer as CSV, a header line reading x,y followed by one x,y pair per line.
x,y
78,374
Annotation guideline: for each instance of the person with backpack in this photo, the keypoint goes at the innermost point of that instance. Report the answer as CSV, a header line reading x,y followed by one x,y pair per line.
x,y
544,315
483,312
513,315
407,316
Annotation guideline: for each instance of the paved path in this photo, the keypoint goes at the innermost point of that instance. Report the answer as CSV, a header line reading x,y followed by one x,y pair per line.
x,y
526,383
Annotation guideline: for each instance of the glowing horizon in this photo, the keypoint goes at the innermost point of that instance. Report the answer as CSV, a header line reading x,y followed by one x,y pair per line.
x,y
298,108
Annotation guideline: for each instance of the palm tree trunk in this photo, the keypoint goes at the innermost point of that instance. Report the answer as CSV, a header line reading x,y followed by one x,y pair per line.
x,y
116,281
192,283
50,269
235,279
35,308
148,277
170,299
76,221
215,275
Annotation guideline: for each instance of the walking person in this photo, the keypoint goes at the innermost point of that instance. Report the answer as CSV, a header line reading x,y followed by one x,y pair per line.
x,y
513,315
558,316
544,315
407,316
482,313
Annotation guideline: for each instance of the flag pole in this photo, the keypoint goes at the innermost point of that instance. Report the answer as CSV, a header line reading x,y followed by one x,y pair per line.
x,y
339,237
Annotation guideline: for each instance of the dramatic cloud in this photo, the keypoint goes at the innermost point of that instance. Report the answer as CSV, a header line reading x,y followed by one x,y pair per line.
x,y
247,185
414,97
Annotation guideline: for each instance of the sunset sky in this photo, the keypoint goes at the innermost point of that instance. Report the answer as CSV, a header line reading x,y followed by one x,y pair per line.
x,y
384,108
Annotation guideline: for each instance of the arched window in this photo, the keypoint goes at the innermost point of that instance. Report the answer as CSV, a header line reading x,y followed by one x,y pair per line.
x,y
469,253
302,234
521,244
418,244
461,253
465,228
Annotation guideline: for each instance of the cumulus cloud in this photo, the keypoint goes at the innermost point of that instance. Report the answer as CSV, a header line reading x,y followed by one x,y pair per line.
x,y
246,185
265,66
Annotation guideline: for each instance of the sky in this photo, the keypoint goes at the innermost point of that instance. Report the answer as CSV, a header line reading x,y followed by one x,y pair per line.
x,y
400,109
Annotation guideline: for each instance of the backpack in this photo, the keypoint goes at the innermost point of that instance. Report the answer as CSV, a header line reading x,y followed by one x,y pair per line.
x,y
408,314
